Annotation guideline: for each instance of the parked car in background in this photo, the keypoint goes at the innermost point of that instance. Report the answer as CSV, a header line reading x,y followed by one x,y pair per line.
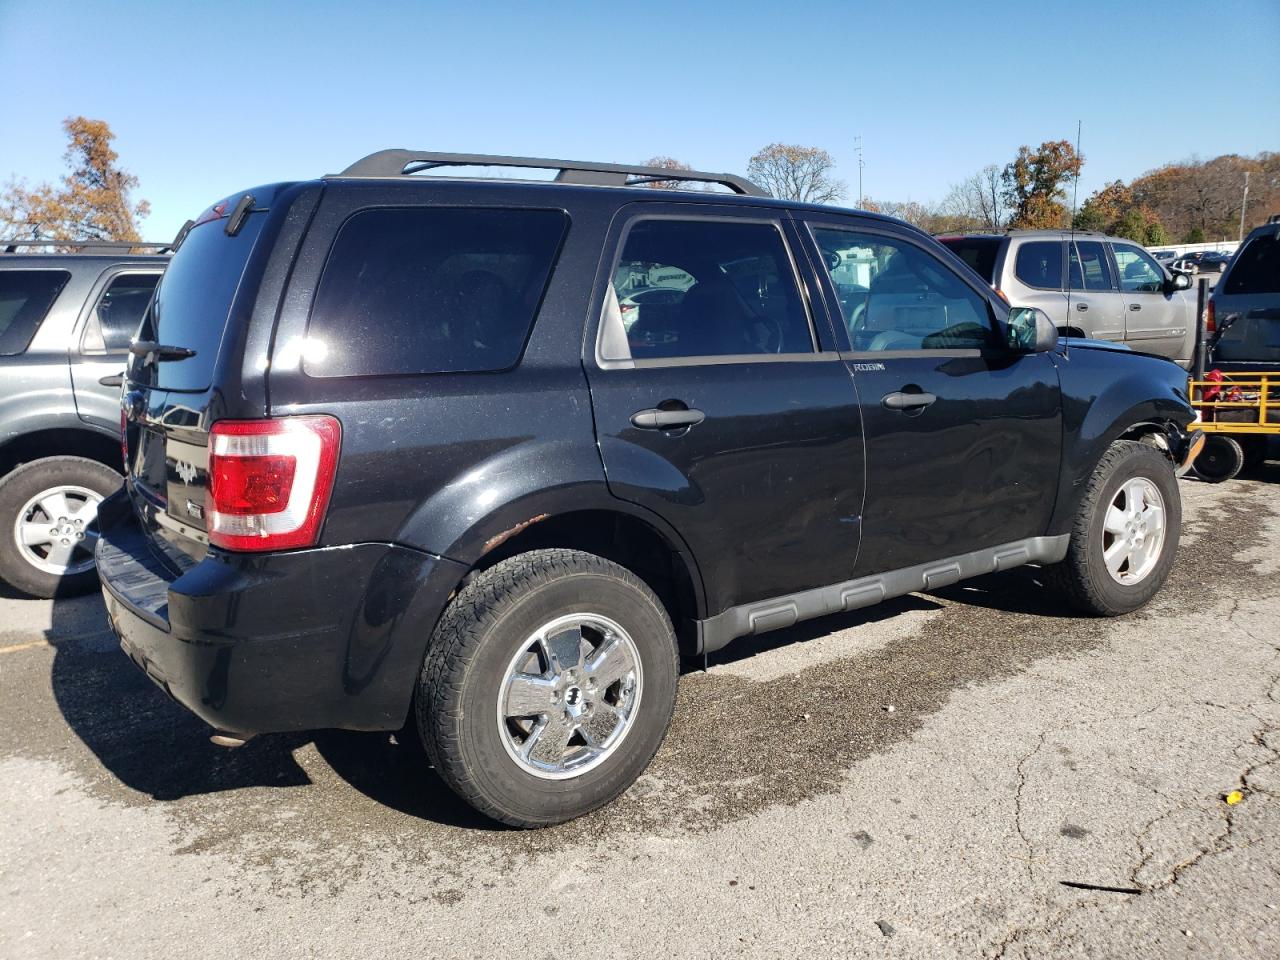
x,y
1208,261
395,461
1245,306
1090,285
66,320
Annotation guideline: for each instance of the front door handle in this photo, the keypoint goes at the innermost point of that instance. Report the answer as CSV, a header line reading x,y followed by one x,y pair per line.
x,y
1135,306
1082,306
907,401
115,380
655,419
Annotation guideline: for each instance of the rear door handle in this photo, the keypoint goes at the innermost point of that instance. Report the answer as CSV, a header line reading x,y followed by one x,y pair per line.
x,y
115,380
1135,306
907,401
1082,306
655,419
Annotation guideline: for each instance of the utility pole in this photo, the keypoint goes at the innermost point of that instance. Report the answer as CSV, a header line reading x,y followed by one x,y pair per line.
x,y
1244,202
857,146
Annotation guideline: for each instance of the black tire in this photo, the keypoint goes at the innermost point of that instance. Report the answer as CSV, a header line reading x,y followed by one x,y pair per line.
x,y
1083,577
16,490
471,648
1221,459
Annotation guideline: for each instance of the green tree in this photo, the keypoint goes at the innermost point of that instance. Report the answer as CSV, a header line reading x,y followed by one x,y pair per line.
x,y
1195,235
1157,235
1035,183
92,201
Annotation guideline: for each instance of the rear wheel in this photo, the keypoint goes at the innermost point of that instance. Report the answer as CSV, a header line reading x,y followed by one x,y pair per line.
x,y
1125,535
1221,459
46,508
548,686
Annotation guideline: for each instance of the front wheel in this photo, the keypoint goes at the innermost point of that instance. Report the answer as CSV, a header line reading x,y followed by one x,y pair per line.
x,y
1125,533
548,686
47,507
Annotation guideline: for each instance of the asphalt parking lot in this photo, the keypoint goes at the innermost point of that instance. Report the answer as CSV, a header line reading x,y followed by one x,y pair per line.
x,y
1042,786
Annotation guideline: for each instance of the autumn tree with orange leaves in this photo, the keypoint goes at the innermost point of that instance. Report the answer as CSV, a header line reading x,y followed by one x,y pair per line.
x,y
1035,184
92,201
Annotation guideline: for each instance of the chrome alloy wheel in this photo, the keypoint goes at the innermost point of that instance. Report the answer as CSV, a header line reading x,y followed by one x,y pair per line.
x,y
51,530
1133,531
569,696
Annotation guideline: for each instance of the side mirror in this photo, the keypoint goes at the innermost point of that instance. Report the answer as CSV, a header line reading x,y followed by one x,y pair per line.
x,y
1031,330
1179,281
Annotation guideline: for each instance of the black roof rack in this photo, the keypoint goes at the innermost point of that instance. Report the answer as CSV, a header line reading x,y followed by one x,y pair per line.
x,y
396,163
88,246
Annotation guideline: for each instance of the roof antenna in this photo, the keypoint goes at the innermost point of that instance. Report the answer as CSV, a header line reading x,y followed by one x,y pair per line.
x,y
1071,244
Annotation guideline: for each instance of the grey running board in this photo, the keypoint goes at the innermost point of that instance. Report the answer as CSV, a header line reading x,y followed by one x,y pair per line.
x,y
779,612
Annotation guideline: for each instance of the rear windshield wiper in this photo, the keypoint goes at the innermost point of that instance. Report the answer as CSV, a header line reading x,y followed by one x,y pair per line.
x,y
153,352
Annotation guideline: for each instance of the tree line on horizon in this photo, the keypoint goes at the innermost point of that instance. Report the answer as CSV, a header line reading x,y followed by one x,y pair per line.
x,y
1190,201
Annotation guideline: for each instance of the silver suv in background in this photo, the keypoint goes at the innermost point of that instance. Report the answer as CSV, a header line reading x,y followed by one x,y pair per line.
x,y
66,321
1090,285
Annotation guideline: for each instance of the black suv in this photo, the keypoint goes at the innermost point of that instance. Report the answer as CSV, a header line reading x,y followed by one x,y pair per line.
x,y
67,314
399,459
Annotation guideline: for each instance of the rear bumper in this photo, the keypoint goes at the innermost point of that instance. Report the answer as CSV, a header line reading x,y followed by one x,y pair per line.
x,y
330,637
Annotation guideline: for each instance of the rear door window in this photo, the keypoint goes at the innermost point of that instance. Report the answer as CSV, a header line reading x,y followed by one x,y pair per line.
x,y
1256,268
1039,264
729,290
1090,269
118,313
25,298
431,290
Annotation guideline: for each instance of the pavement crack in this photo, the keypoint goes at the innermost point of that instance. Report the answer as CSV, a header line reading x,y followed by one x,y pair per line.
x,y
1017,803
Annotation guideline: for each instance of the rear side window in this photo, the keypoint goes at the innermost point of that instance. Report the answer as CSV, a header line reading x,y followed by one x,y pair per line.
x,y
119,310
1039,264
707,288
1257,267
1090,269
978,252
431,290
25,298
193,301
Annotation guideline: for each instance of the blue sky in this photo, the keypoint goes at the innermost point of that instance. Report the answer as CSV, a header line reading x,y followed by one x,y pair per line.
x,y
209,98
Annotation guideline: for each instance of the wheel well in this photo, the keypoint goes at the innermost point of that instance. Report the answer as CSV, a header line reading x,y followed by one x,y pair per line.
x,y
64,442
624,539
1155,434
1071,332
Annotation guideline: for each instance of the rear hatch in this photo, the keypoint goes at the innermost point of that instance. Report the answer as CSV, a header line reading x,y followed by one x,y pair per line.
x,y
172,392
1246,303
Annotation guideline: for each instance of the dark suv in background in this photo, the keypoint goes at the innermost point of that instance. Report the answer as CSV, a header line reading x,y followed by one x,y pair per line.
x,y
399,459
66,319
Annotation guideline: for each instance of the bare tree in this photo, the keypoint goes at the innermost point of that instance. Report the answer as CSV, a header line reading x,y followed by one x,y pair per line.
x,y
791,172
668,163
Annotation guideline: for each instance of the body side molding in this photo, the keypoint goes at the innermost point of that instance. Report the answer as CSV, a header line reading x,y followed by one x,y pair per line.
x,y
778,612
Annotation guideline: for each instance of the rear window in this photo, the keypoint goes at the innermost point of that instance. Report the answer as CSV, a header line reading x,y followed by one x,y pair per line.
x,y
1257,267
978,252
431,290
1039,264
25,297
193,301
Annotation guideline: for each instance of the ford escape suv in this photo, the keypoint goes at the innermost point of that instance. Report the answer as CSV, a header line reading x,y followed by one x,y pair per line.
x,y
1090,285
66,320
398,459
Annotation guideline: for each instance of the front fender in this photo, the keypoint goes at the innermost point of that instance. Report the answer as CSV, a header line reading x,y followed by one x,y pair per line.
x,y
1105,394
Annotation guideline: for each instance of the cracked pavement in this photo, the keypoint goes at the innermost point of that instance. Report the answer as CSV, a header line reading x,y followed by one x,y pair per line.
x,y
1044,785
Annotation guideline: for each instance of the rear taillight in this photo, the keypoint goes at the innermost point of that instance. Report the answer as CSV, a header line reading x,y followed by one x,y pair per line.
x,y
270,480
1209,325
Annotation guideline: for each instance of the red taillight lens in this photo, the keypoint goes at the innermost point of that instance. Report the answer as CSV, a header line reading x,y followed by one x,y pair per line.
x,y
270,480
1209,325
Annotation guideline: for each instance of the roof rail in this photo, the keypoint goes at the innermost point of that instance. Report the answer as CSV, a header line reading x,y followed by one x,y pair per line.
x,y
396,163
88,246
